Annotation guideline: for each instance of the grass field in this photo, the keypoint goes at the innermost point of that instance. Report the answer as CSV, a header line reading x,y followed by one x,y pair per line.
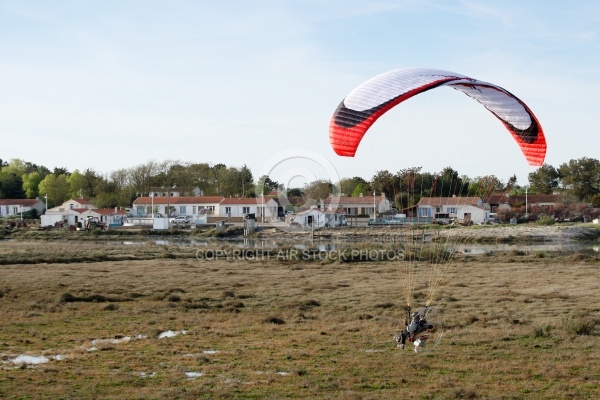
x,y
516,325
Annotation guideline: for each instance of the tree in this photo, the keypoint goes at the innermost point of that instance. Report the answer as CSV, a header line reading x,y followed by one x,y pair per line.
x,y
56,187
511,184
294,192
595,201
448,183
203,177
348,185
11,185
414,184
230,181
247,181
582,177
485,185
385,182
31,182
319,190
106,200
91,180
15,166
141,177
40,169
361,189
60,171
77,183
266,185
544,180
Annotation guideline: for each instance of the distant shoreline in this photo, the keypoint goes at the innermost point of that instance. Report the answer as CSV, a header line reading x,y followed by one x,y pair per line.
x,y
559,233
500,233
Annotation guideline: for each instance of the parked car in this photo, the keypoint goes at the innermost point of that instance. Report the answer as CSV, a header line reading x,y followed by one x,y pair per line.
x,y
180,220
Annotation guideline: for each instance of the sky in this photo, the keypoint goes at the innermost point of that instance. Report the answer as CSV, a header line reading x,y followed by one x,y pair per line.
x,y
113,84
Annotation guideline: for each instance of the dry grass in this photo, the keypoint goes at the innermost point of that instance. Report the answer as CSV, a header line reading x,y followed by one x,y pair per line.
x,y
516,326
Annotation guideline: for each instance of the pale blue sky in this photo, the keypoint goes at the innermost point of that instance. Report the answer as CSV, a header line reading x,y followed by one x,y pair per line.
x,y
111,84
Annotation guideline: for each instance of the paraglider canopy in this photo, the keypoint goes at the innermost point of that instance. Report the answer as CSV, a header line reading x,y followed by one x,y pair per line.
x,y
373,98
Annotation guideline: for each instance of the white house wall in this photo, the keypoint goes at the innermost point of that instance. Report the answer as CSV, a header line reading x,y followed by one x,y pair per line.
x,y
15,209
237,210
146,209
478,215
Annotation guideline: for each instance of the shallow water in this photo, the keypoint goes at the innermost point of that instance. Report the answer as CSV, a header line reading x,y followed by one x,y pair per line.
x,y
169,334
334,245
34,360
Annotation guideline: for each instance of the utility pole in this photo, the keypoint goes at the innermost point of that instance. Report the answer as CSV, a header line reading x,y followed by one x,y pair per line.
x,y
374,212
526,213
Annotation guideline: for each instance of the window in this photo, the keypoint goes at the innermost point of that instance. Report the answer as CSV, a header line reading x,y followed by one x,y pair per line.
x,y
245,210
194,210
452,210
211,209
228,210
424,212
182,209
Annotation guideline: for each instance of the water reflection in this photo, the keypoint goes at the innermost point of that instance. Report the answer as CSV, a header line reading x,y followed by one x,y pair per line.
x,y
334,245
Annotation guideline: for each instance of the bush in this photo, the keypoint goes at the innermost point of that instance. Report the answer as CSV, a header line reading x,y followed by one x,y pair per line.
x,y
542,332
274,320
174,298
579,326
545,220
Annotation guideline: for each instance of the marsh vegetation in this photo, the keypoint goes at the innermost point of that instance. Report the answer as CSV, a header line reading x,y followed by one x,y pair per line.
x,y
102,320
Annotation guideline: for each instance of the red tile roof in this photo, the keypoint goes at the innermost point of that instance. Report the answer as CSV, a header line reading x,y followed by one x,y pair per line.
x,y
179,200
294,200
347,200
448,201
18,202
108,211
240,201
520,199
496,198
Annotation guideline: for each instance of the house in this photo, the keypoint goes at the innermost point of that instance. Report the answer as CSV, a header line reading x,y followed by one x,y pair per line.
x,y
73,211
502,200
112,216
70,205
178,205
294,203
462,208
234,207
68,213
362,205
13,207
74,216
540,200
159,191
275,208
317,218
312,218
